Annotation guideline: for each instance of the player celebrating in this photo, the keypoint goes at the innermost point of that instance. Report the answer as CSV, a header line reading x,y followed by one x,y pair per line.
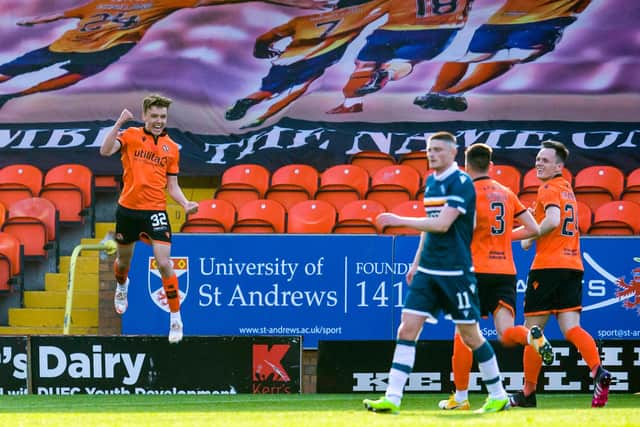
x,y
416,31
318,42
150,163
520,31
497,209
105,31
441,277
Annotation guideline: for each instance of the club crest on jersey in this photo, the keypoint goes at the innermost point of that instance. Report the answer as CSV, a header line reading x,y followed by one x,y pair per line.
x,y
165,148
156,291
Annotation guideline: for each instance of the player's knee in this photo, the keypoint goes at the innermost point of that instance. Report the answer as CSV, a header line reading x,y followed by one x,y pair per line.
x,y
164,266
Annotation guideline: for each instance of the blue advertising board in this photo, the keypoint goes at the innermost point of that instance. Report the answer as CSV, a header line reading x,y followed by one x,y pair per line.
x,y
342,287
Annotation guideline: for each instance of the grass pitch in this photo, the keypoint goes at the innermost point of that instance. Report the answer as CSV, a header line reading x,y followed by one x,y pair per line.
x,y
308,410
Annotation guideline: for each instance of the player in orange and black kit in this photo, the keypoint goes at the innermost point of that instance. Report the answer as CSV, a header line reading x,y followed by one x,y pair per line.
x,y
150,163
318,42
554,285
520,31
416,31
106,31
497,210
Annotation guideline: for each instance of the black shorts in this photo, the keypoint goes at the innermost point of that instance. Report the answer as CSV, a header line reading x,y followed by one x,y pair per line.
x,y
553,290
496,290
133,225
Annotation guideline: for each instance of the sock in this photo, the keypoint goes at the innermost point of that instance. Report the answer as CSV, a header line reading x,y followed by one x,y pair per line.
x,y
121,274
403,359
175,316
450,74
123,287
170,286
585,345
489,370
461,362
348,102
532,364
515,335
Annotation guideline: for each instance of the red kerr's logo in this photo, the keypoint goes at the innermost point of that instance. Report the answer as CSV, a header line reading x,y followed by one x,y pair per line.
x,y
630,291
269,376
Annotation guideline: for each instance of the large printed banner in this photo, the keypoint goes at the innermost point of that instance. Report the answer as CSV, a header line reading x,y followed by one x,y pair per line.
x,y
314,81
342,287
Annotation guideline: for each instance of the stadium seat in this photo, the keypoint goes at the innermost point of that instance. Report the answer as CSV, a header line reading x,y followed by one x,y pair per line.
x,y
393,185
106,183
412,208
213,216
506,175
417,160
11,266
631,192
242,183
358,217
3,213
597,185
34,222
260,216
342,184
372,161
312,217
530,183
291,184
585,217
19,182
616,218
70,188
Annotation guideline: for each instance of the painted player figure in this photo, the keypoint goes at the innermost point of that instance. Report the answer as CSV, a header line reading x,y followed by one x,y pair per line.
x,y
150,163
105,32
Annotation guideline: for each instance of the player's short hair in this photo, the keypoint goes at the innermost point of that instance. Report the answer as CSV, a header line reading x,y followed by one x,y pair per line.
x,y
562,152
155,100
445,137
478,156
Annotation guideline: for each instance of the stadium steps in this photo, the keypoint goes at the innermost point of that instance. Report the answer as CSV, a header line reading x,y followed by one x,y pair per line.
x,y
43,311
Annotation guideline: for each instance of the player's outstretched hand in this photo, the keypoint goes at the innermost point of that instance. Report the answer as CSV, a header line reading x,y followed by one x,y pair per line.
x,y
125,116
526,244
264,51
191,207
387,219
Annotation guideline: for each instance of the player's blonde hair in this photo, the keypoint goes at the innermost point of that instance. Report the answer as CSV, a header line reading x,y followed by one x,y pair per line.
x,y
445,137
155,100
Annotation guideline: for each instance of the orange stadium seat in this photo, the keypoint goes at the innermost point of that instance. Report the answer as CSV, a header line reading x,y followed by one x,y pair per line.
x,y
34,222
412,208
393,185
260,216
11,266
417,160
585,217
70,188
213,216
359,217
372,161
19,182
106,183
597,185
342,184
506,175
242,183
616,218
631,190
3,213
312,217
291,184
530,183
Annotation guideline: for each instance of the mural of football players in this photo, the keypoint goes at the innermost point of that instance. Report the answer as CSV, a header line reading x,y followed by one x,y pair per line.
x,y
317,42
105,32
520,31
416,31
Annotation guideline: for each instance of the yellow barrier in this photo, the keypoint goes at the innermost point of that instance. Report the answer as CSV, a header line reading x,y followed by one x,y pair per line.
x,y
109,246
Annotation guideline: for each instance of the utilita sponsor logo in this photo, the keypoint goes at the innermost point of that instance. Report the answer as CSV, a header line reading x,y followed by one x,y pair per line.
x,y
54,362
269,376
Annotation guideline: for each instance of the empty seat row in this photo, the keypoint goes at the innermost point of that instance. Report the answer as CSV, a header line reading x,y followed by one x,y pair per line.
x,y
11,262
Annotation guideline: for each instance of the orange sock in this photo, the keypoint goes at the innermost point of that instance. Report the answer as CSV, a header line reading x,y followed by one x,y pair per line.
x,y
461,363
481,74
449,75
170,286
515,335
532,365
585,345
121,275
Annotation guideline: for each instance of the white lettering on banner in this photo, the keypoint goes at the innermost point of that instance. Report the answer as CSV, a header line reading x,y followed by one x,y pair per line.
x,y
556,382
381,139
53,363
26,141
512,381
19,362
621,382
636,362
579,139
58,136
368,268
610,356
281,298
370,381
278,267
472,135
209,295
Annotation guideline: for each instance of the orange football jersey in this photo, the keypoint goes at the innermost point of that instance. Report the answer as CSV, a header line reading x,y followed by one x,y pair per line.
x,y
561,247
427,14
524,11
496,209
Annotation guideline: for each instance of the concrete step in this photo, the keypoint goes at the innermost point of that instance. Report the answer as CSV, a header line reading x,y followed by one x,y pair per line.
x,y
89,282
84,265
30,330
57,299
51,317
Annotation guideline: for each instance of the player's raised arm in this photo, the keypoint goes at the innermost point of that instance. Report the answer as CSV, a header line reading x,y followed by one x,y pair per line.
x,y
28,22
110,144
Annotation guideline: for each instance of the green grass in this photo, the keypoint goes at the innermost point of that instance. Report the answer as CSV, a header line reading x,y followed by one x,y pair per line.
x,y
308,410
